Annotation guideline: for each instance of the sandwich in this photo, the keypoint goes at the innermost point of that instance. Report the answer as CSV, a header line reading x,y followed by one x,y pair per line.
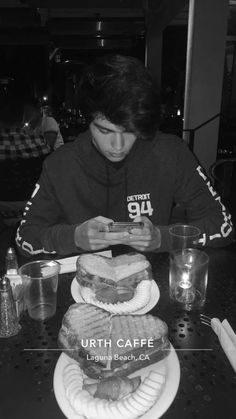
x,y
121,284
107,345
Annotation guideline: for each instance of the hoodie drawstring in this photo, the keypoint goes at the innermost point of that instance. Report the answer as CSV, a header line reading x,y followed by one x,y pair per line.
x,y
126,214
126,194
107,192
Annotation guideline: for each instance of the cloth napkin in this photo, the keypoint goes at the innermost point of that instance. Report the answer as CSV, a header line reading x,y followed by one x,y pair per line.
x,y
69,264
227,339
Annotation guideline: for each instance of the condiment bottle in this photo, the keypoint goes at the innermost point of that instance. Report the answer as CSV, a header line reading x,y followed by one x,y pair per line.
x,y
11,262
9,324
15,280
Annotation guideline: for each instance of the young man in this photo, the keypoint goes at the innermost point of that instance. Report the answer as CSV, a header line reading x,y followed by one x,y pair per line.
x,y
121,169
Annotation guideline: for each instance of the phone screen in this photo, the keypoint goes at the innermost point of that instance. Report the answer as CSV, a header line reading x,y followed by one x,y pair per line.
x,y
126,226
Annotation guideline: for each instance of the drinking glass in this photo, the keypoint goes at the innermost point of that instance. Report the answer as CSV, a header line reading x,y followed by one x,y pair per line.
x,y
41,281
188,278
184,236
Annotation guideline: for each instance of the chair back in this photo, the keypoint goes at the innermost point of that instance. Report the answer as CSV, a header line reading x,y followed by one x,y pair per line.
x,y
223,174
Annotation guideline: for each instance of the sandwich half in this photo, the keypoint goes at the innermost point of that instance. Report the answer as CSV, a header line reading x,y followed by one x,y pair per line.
x,y
106,345
120,285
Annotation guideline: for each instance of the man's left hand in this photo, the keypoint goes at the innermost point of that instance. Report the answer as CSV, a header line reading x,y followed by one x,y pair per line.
x,y
146,239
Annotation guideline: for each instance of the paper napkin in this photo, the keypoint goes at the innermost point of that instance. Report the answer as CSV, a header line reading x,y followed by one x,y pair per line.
x,y
227,339
69,264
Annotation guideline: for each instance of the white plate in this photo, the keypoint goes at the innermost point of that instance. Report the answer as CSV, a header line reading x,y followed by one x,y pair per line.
x,y
169,367
155,295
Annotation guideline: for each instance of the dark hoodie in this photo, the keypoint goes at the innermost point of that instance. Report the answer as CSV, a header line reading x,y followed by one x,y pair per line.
x,y
77,183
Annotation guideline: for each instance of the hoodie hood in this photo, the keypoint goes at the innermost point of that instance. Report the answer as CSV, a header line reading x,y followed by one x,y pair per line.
x,y
97,167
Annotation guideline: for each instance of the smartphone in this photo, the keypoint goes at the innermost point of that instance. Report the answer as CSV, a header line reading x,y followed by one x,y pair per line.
x,y
126,226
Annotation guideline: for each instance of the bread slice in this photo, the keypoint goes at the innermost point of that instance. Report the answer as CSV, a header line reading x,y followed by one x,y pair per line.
x,y
96,265
129,264
110,269
107,345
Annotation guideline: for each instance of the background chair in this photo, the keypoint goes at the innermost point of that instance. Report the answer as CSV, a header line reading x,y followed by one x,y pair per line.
x,y
11,212
223,173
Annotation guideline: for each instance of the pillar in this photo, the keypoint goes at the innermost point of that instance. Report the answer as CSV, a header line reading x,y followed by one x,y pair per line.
x,y
207,31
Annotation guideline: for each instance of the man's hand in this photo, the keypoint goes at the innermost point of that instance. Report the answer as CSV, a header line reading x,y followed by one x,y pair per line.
x,y
94,234
146,239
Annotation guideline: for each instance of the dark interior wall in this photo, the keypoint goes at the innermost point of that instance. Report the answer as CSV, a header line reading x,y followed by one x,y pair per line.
x,y
26,65
29,66
174,65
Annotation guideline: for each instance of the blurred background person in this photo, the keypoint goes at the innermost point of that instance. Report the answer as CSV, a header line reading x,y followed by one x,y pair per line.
x,y
37,118
22,152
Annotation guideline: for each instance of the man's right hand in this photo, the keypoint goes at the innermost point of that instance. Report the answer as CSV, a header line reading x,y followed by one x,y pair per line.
x,y
92,234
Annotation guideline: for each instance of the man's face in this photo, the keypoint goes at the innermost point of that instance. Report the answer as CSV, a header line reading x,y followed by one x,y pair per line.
x,y
110,140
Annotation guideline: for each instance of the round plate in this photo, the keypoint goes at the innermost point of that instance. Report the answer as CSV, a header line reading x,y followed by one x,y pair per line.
x,y
169,367
155,295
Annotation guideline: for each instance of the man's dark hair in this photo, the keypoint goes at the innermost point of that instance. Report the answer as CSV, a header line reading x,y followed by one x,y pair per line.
x,y
121,89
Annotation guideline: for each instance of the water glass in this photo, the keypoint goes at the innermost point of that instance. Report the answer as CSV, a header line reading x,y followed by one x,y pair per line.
x,y
188,278
184,236
41,281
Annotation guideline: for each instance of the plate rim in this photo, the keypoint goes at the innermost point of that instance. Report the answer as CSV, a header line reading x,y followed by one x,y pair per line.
x,y
142,310
170,363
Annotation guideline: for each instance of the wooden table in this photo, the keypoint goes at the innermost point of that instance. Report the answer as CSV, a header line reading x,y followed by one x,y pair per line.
x,y
207,384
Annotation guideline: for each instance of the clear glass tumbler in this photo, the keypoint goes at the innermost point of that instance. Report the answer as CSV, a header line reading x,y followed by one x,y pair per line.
x,y
188,276
183,236
41,282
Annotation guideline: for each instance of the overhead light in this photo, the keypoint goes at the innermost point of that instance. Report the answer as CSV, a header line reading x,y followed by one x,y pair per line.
x,y
102,42
98,25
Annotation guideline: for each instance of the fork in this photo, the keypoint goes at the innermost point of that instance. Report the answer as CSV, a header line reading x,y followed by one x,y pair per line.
x,y
216,325
226,336
205,319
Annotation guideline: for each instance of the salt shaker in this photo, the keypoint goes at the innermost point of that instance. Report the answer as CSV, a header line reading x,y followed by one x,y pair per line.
x,y
9,324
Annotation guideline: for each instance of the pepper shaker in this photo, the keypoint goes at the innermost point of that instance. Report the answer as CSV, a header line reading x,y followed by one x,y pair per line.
x,y
9,324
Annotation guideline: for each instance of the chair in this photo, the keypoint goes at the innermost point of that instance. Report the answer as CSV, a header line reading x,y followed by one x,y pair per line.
x,y
17,182
223,174
18,178
11,212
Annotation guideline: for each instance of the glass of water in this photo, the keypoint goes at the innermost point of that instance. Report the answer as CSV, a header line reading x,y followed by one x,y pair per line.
x,y
41,282
188,278
184,236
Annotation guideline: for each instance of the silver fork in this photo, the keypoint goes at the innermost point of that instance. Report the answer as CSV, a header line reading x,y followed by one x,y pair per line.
x,y
205,320
216,325
226,336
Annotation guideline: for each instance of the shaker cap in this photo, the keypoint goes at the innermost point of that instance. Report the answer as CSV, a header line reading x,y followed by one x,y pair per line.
x,y
11,251
4,284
